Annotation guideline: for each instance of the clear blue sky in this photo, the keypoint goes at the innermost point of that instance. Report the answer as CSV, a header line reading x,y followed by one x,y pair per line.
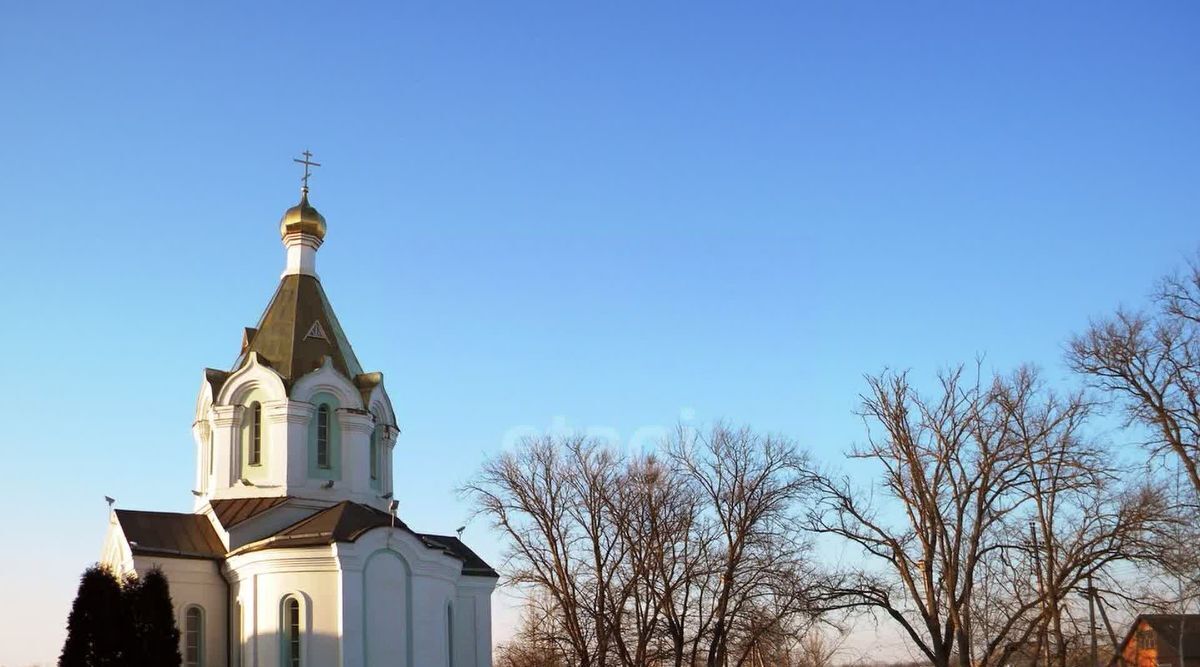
x,y
604,214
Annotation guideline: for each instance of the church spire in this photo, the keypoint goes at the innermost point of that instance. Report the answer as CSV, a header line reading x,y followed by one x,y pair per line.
x,y
302,228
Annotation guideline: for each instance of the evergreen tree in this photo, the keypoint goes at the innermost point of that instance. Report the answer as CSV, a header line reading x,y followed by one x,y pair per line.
x,y
155,637
98,627
121,623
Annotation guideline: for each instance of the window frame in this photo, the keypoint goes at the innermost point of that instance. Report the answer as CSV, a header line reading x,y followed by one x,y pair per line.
x,y
254,456
189,632
374,454
291,623
1146,640
323,436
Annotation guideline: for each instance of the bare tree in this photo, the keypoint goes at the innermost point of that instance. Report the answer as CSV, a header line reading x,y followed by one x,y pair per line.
x,y
972,466
593,473
531,495
660,522
694,556
956,478
534,643
1150,363
682,544
818,647
519,653
752,486
804,644
1081,516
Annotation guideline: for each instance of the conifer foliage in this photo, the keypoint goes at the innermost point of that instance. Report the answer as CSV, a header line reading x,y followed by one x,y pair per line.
x,y
97,626
120,623
155,637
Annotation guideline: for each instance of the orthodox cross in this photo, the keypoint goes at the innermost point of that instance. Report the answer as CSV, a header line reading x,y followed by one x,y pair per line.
x,y
307,162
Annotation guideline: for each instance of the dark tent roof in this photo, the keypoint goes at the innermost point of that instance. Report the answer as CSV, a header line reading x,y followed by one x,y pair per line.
x,y
298,330
232,512
192,535
170,534
347,521
343,522
472,563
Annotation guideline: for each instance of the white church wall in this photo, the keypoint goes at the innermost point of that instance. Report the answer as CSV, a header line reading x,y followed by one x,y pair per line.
x,y
464,651
225,420
262,580
197,582
293,431
402,594
433,596
285,468
116,554
473,614
380,407
356,460
387,604
202,428
354,426
254,381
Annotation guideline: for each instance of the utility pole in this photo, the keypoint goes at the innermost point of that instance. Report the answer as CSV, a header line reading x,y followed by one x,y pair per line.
x,y
1179,570
1091,593
1182,602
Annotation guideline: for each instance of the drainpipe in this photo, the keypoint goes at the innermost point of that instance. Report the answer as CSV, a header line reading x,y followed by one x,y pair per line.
x,y
229,620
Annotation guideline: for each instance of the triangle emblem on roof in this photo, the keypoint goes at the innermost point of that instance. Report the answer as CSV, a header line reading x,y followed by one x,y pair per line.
x,y
316,331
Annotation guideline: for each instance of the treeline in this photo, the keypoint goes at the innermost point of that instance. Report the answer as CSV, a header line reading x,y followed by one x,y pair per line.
x,y
694,554
992,506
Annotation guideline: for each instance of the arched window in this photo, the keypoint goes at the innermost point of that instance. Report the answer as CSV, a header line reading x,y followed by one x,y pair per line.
x,y
255,433
291,632
193,637
374,454
323,436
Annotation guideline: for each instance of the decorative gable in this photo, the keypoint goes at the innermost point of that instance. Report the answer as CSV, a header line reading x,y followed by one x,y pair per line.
x,y
316,331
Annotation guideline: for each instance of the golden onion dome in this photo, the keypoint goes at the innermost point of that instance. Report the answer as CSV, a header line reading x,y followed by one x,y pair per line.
x,y
302,219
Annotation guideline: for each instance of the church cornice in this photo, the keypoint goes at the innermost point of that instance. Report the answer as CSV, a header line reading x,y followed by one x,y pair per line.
x,y
357,421
227,415
288,411
240,566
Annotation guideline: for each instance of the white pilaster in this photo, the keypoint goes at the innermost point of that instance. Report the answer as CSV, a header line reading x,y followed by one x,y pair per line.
x,y
226,442
387,443
277,455
356,446
351,623
292,418
479,589
432,595
202,434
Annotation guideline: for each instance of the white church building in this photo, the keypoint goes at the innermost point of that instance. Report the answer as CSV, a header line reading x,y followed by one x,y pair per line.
x,y
293,555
